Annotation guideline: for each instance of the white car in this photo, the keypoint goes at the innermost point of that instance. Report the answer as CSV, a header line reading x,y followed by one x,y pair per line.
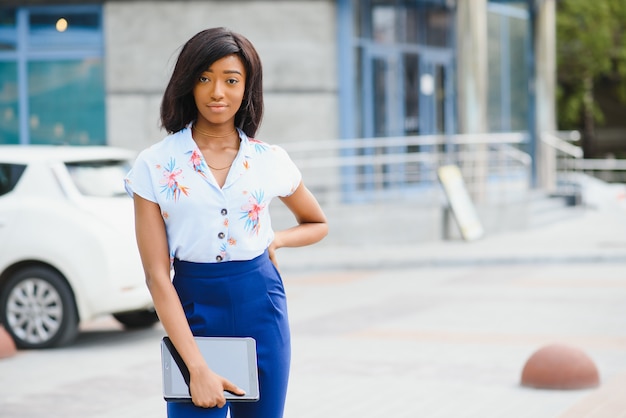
x,y
67,246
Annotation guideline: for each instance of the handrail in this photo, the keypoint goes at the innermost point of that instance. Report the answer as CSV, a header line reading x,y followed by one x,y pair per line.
x,y
518,155
561,145
395,141
571,162
494,166
600,164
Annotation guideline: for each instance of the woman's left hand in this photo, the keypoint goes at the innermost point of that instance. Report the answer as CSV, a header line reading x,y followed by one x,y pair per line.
x,y
271,250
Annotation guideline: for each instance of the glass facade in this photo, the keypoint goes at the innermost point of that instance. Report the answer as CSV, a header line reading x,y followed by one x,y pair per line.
x,y
9,124
404,63
402,56
404,73
405,70
508,67
52,76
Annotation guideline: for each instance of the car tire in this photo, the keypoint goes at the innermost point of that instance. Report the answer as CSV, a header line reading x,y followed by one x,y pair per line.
x,y
137,319
37,308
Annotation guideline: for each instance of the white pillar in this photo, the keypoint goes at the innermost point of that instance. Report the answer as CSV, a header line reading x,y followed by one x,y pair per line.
x,y
545,90
472,65
472,87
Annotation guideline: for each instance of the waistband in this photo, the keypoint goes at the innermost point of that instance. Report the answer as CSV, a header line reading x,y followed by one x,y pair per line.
x,y
224,268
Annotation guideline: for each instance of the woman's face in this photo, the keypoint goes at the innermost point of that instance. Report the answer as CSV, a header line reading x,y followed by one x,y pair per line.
x,y
219,91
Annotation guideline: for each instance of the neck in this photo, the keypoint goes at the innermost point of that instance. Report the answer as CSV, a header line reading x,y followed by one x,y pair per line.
x,y
216,143
209,134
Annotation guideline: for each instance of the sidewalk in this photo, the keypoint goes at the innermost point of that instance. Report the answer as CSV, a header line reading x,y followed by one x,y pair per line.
x,y
595,232
592,235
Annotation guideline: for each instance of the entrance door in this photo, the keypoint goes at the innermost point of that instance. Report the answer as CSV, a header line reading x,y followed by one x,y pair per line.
x,y
382,105
382,92
406,92
435,86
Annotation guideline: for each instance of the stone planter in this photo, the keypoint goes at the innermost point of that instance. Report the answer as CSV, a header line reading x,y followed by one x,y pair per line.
x,y
559,366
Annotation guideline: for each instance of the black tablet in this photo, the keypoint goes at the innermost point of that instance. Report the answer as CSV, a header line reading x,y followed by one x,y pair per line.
x,y
233,358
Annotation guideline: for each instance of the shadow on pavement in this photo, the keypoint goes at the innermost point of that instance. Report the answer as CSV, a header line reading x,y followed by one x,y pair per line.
x,y
107,331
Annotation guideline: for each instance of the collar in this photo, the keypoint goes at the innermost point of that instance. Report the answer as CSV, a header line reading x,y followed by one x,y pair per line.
x,y
240,163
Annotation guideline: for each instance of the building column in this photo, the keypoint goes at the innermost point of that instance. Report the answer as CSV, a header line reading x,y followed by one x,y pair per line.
x,y
472,66
472,86
545,91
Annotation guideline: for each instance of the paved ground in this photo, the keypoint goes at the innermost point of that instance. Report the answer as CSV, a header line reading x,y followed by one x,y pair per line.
x,y
454,345
434,330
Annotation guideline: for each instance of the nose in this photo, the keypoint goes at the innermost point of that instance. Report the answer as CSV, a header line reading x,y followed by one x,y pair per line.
x,y
218,91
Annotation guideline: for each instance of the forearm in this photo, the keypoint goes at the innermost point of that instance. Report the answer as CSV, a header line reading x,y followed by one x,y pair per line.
x,y
172,317
301,235
312,225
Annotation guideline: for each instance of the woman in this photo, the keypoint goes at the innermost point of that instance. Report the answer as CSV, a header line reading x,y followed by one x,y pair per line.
x,y
201,199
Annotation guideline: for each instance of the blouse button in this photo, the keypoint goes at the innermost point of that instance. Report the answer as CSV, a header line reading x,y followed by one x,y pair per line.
x,y
224,212
221,235
219,258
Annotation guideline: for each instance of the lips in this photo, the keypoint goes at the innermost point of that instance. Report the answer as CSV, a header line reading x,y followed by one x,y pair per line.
x,y
217,108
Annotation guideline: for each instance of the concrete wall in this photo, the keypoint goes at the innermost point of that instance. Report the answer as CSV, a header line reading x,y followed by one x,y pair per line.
x,y
295,39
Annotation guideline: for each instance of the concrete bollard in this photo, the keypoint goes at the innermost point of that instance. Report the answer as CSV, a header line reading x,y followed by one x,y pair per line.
x,y
7,345
559,366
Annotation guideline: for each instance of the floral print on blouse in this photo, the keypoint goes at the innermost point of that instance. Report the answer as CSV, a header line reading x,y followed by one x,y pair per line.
x,y
170,181
205,222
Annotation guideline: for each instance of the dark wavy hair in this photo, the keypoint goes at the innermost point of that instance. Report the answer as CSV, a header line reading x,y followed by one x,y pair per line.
x,y
178,107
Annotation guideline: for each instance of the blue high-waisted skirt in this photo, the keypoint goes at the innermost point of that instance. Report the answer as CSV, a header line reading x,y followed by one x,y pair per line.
x,y
239,299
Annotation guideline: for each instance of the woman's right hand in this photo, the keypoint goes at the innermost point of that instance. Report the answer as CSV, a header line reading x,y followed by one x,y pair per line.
x,y
207,388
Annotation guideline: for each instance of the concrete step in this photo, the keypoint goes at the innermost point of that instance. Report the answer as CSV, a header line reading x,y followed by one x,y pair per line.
x,y
545,209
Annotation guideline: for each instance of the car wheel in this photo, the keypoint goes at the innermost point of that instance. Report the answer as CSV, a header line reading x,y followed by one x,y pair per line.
x,y
137,319
38,309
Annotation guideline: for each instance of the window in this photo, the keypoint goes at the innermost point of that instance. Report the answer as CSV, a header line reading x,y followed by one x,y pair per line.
x,y
9,175
401,48
9,125
100,178
52,75
508,67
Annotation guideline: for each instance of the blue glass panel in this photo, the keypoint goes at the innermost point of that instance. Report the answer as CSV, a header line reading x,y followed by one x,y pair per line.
x,y
67,102
64,29
9,122
8,33
519,74
495,74
508,91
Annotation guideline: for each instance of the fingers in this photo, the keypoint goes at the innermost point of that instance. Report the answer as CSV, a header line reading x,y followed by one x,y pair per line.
x,y
272,255
232,388
275,263
208,396
219,402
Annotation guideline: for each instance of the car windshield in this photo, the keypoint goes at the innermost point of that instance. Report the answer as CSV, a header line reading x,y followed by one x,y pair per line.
x,y
99,178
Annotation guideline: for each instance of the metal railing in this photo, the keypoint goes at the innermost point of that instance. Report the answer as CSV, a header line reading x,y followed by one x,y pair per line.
x,y
570,162
495,167
565,156
610,170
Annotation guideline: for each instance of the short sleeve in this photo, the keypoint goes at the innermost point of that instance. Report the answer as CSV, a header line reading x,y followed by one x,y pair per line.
x,y
290,173
139,179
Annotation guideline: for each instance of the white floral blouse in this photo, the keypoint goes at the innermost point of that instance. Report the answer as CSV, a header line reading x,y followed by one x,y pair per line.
x,y
206,223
